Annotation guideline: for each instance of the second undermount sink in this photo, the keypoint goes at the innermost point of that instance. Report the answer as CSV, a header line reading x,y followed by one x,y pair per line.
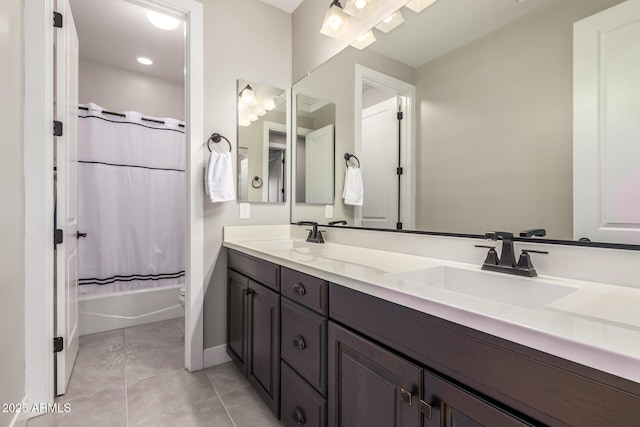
x,y
279,244
513,290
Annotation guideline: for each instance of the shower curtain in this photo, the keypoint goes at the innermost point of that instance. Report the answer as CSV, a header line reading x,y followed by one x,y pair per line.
x,y
131,202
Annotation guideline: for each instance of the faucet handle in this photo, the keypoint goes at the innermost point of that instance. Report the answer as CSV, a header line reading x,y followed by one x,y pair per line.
x,y
492,255
524,262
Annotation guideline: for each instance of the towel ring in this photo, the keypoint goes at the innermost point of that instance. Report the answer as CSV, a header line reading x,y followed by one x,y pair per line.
x,y
348,157
257,182
216,138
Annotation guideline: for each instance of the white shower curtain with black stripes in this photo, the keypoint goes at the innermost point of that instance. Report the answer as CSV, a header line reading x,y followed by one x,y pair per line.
x,y
131,202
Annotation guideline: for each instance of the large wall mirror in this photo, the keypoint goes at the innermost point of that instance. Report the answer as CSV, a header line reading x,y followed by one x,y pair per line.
x,y
462,118
262,143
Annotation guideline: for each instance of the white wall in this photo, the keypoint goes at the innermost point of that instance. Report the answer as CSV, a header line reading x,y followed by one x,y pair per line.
x,y
12,212
244,39
117,89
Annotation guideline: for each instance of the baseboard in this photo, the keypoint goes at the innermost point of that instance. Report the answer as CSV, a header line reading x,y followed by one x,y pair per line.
x,y
20,418
215,355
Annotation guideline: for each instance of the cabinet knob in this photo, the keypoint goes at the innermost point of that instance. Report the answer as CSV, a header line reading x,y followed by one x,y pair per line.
x,y
299,289
249,291
298,342
298,416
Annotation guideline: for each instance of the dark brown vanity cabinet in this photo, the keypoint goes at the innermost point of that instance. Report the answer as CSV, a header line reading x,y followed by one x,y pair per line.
x,y
253,324
304,349
368,385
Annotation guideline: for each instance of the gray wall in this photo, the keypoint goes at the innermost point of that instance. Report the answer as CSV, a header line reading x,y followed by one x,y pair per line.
x,y
507,96
250,40
117,89
12,212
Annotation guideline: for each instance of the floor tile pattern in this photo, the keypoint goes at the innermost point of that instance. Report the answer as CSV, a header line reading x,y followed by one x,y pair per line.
x,y
135,377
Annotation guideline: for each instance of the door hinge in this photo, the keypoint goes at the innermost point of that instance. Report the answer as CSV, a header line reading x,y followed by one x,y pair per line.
x,y
57,19
399,171
58,236
400,115
57,128
58,344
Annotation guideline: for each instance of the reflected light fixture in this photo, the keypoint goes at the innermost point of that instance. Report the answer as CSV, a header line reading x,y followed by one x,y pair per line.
x,y
144,61
335,22
391,22
248,96
364,40
161,21
261,113
270,105
253,117
244,122
419,5
359,8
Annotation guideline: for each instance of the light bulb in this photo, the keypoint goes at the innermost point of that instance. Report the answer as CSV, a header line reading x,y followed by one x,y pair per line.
x,y
334,24
144,61
360,4
388,19
247,96
161,21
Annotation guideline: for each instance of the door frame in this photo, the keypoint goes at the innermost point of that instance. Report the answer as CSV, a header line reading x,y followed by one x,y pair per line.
x,y
390,84
38,186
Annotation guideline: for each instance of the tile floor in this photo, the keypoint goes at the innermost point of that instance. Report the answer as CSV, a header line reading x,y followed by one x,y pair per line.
x,y
136,377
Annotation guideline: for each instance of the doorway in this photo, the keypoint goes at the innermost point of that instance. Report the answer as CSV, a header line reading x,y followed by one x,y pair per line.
x,y
39,205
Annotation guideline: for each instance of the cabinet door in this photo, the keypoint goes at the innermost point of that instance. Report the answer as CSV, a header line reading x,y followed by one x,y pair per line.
x,y
446,405
237,343
264,343
368,385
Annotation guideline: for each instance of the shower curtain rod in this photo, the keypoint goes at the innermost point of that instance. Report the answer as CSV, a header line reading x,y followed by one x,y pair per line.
x,y
161,122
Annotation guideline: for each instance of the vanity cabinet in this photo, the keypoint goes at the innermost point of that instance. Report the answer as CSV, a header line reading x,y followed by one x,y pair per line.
x,y
368,385
253,324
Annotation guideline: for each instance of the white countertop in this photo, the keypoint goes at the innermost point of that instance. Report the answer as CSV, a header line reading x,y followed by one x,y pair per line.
x,y
597,325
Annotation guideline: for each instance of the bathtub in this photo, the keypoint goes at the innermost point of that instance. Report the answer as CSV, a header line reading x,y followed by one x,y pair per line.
x,y
105,312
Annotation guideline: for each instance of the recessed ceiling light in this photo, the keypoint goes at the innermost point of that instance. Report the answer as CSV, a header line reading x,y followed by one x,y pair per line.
x,y
144,61
161,21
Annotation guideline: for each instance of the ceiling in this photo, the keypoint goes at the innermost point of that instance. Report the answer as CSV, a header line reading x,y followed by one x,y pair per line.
x,y
115,32
287,5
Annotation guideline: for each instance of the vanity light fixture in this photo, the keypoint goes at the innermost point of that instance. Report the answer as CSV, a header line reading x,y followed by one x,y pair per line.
x,y
335,22
261,113
144,61
253,117
364,40
270,105
162,21
248,96
360,8
391,22
244,122
419,5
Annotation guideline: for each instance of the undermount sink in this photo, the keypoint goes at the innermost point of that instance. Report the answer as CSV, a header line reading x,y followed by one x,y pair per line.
x,y
279,244
513,290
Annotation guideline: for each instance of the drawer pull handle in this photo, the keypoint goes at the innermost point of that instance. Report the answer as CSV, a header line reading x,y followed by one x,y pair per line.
x,y
425,409
298,416
406,396
298,342
299,289
249,291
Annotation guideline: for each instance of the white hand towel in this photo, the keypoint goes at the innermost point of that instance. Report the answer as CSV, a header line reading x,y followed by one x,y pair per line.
x,y
218,182
353,192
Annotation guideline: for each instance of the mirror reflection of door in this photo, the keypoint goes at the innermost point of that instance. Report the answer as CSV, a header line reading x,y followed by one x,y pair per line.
x,y
243,173
277,150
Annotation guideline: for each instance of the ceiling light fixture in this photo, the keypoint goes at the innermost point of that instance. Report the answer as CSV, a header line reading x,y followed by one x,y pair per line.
x,y
364,40
419,5
360,8
144,61
335,22
161,21
390,22
248,96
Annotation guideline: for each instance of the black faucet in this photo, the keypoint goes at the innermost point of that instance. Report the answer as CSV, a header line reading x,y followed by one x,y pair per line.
x,y
340,222
534,232
507,261
315,235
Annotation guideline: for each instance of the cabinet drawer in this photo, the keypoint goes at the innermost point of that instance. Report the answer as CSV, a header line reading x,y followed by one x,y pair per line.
x,y
304,343
259,270
306,290
301,404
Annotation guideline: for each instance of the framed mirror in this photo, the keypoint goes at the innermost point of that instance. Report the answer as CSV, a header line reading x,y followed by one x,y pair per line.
x,y
462,118
262,143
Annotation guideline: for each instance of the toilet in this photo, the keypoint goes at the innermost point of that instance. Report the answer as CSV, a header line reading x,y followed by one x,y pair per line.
x,y
181,296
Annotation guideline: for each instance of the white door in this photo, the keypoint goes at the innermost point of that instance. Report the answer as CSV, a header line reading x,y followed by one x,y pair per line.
x,y
66,110
319,160
379,165
606,165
